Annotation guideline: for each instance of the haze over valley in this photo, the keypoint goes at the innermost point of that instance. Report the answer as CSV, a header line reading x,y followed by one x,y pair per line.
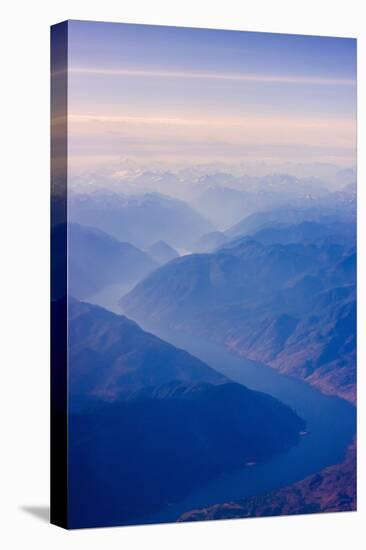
x,y
277,287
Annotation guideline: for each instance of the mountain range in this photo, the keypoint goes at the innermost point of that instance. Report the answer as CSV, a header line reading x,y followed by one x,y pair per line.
x,y
97,260
272,279
141,220
334,208
112,357
149,422
226,200
290,304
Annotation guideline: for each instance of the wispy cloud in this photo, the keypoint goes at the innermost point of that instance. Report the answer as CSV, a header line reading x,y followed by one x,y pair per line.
x,y
270,79
253,121
163,134
115,119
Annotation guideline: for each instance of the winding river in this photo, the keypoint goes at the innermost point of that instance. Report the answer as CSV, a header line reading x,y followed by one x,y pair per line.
x,y
331,424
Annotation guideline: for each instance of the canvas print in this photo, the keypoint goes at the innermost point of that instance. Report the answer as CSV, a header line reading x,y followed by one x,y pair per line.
x,y
203,274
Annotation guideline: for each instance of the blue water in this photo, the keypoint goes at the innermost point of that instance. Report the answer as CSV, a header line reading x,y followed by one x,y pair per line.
x,y
331,423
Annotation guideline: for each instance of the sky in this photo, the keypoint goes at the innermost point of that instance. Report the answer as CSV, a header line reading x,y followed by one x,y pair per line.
x,y
180,95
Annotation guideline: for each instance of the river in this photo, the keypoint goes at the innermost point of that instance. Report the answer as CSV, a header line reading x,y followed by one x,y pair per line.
x,y
331,424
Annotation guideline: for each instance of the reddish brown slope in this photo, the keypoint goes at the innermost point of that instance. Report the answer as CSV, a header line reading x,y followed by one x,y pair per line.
x,y
331,490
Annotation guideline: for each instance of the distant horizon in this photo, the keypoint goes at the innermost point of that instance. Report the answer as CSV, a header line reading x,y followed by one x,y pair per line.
x,y
131,176
178,96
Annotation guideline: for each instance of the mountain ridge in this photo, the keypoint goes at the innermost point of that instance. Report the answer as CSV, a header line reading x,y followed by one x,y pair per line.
x,y
291,306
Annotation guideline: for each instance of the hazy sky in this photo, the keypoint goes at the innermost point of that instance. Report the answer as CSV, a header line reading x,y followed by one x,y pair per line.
x,y
171,94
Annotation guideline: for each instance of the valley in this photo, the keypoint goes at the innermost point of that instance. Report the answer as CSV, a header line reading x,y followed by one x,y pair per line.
x,y
223,355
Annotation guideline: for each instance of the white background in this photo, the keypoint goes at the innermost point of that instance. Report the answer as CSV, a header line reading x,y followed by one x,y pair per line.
x,y
24,303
